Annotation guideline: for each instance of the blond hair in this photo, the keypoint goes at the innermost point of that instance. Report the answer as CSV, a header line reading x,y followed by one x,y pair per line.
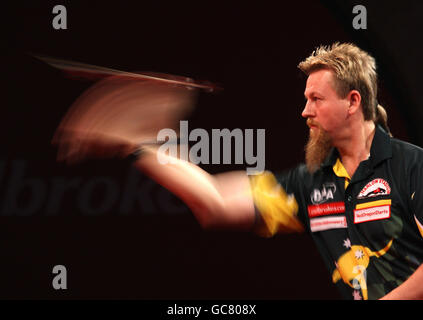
x,y
354,69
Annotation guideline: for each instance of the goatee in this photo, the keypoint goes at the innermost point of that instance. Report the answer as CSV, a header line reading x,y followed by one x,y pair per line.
x,y
317,148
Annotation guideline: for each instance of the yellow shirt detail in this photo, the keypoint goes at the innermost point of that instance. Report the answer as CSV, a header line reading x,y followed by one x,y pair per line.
x,y
340,171
278,210
419,225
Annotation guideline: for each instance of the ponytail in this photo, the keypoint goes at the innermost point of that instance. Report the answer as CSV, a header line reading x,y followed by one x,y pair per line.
x,y
382,118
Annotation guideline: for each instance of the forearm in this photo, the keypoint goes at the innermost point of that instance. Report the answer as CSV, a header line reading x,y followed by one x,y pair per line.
x,y
411,289
214,200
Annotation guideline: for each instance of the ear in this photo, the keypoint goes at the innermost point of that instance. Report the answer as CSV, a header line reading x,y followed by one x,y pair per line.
x,y
354,100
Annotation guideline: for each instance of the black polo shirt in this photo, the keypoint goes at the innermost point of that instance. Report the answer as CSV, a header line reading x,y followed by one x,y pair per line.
x,y
368,228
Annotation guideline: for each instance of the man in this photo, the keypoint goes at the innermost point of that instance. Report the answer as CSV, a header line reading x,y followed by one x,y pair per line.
x,y
359,193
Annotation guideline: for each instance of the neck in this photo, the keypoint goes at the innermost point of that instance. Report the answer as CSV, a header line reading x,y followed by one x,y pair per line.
x,y
355,147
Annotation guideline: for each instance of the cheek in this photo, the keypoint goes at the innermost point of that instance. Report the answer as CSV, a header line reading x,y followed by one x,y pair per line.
x,y
325,117
331,117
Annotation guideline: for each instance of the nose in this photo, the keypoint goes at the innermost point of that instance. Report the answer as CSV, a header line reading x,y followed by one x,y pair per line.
x,y
308,111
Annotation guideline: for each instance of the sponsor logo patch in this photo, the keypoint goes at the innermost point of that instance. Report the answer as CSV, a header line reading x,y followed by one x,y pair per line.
x,y
326,223
324,194
317,210
372,213
374,188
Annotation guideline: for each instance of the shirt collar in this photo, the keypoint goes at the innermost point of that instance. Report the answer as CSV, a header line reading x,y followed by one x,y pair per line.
x,y
381,147
380,150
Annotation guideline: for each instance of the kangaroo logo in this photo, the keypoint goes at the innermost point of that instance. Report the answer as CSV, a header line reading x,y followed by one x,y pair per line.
x,y
351,266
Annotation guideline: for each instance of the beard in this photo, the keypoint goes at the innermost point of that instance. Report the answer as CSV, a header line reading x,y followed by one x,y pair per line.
x,y
317,148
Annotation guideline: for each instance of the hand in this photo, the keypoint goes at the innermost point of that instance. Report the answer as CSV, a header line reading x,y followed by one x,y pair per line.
x,y
116,115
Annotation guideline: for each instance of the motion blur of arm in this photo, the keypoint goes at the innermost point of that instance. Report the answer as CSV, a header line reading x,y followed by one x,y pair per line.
x,y
222,200
228,200
116,114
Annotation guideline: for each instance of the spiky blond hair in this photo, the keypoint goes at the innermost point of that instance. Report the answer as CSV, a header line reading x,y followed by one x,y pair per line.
x,y
353,68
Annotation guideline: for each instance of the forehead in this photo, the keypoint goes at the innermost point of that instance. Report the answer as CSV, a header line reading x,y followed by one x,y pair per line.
x,y
320,81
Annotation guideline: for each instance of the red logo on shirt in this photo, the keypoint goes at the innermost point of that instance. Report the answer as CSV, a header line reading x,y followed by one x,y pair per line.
x,y
372,213
318,210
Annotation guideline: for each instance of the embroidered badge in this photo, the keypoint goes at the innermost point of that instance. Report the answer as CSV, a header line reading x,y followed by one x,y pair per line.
x,y
374,188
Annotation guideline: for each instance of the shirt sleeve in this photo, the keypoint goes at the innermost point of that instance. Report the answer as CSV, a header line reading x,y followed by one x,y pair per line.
x,y
277,210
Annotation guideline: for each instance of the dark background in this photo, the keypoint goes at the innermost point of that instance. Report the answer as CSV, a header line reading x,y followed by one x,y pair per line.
x,y
154,248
